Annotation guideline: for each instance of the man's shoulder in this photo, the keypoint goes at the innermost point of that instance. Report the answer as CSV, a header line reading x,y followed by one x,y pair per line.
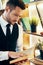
x,y
19,26
0,19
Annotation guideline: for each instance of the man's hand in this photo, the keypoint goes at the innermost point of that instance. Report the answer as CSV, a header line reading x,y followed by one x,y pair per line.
x,y
15,54
22,62
19,56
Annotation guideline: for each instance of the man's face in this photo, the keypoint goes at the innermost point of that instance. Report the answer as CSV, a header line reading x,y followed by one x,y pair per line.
x,y
13,15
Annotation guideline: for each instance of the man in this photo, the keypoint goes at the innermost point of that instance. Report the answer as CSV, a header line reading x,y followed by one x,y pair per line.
x,y
10,31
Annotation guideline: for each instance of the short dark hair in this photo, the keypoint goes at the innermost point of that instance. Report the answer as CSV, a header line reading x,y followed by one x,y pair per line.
x,y
14,3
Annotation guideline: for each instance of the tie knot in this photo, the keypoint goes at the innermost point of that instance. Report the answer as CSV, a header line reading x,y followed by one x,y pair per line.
x,y
8,25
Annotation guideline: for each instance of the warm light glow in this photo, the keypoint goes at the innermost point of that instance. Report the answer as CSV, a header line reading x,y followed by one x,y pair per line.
x,y
40,8
25,13
33,11
39,29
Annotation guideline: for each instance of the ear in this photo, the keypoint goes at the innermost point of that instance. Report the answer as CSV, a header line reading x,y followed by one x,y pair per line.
x,y
7,8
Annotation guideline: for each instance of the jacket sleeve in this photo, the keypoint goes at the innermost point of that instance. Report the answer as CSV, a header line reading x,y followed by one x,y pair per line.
x,y
3,55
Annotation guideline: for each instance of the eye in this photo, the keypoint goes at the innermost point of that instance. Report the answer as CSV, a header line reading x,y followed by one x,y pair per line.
x,y
17,15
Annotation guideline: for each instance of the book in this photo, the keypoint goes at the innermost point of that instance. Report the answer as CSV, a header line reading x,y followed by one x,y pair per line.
x,y
18,59
26,53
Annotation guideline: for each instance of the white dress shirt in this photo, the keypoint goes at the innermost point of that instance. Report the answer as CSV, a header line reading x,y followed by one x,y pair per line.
x,y
19,46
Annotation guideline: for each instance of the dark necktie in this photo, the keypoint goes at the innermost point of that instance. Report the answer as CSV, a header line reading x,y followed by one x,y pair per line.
x,y
8,30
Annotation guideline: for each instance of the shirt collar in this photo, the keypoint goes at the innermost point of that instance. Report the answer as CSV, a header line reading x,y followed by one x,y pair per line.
x,y
4,22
